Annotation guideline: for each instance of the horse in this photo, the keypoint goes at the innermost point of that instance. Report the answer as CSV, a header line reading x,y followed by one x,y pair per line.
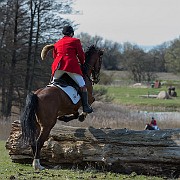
x,y
47,105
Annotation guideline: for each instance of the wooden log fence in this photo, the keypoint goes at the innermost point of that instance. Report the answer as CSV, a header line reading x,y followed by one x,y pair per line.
x,y
118,150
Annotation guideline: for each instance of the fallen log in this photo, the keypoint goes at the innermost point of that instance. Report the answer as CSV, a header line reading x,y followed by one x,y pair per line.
x,y
117,150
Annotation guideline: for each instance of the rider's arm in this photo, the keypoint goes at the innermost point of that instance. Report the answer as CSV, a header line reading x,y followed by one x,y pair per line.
x,y
80,52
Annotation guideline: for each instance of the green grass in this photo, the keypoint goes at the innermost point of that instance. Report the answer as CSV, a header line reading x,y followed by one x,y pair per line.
x,y
131,96
123,94
9,170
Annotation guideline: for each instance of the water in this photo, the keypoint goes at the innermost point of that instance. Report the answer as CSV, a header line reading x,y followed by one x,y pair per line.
x,y
114,117
160,116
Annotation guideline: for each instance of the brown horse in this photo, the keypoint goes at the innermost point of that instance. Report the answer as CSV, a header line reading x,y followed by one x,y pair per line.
x,y
48,104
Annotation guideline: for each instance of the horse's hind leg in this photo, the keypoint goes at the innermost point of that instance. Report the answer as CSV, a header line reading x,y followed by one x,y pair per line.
x,y
44,133
33,145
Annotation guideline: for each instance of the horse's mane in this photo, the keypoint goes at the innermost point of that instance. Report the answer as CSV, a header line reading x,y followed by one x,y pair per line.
x,y
91,49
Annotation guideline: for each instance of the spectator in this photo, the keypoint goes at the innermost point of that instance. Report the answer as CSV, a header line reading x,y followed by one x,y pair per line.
x,y
172,92
152,125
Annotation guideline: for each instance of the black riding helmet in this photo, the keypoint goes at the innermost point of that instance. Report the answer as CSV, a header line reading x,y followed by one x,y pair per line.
x,y
67,30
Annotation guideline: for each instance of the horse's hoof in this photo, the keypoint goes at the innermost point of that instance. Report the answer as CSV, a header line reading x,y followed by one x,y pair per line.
x,y
37,166
82,116
41,168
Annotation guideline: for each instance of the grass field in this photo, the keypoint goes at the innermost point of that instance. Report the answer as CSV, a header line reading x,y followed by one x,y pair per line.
x,y
131,96
121,91
9,170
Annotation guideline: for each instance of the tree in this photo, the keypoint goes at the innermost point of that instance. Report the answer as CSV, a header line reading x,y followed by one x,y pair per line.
x,y
173,56
158,57
26,25
87,40
138,63
43,17
112,50
11,42
112,55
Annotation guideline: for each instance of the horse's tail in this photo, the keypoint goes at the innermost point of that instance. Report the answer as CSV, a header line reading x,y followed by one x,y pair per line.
x,y
45,50
28,119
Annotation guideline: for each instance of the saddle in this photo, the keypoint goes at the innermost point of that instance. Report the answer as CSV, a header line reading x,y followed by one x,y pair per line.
x,y
65,80
69,86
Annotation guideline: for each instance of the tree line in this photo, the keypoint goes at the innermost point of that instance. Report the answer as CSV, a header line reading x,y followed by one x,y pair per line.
x,y
27,25
141,64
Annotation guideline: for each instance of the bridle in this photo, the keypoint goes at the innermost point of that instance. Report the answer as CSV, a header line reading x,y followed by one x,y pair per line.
x,y
95,73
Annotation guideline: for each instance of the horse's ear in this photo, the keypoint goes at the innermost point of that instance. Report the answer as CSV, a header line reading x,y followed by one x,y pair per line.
x,y
45,50
101,52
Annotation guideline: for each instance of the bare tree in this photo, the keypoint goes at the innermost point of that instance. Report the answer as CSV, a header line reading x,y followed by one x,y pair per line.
x,y
26,25
138,63
173,56
44,18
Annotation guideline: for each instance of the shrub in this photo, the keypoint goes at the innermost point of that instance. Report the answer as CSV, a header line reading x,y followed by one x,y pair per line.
x,y
105,79
100,94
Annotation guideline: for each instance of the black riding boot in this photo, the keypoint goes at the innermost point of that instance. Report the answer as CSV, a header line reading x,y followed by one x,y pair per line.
x,y
86,107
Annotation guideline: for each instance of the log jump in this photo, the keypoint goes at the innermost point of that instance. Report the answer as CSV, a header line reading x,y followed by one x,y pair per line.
x,y
117,150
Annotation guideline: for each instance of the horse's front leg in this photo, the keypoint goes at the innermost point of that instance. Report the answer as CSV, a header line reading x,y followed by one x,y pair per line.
x,y
82,116
68,118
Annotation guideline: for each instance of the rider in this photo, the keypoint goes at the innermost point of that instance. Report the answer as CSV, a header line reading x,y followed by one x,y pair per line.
x,y
68,55
154,124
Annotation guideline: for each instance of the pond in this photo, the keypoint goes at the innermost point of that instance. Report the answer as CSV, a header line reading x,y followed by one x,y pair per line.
x,y
160,116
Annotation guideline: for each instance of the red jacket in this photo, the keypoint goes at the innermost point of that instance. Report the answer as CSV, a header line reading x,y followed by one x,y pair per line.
x,y
68,55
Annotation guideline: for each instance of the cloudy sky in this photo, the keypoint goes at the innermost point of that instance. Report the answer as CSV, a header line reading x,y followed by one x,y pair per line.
x,y
143,22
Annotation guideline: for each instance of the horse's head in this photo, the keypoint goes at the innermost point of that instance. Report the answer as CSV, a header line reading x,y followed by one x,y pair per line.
x,y
93,63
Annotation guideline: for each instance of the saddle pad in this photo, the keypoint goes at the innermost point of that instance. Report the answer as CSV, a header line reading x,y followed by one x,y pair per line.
x,y
70,91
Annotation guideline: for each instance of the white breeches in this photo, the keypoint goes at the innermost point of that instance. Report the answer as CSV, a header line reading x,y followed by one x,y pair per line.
x,y
76,77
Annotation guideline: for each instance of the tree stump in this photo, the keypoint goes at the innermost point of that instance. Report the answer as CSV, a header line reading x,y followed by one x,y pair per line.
x,y
117,150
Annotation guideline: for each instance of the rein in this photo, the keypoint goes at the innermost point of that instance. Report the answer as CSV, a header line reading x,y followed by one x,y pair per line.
x,y
95,74
85,68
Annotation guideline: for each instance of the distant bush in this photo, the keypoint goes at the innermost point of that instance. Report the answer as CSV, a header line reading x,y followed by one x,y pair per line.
x,y
105,79
100,94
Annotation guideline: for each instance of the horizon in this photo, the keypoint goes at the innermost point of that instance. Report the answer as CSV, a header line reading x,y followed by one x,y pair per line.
x,y
146,23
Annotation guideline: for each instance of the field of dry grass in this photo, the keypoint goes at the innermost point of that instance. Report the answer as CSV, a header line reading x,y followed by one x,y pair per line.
x,y
109,115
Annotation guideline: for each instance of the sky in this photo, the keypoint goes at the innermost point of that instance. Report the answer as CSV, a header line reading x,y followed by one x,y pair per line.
x,y
142,22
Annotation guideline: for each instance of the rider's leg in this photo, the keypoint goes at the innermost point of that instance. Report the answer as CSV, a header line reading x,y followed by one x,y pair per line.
x,y
84,96
57,75
83,91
